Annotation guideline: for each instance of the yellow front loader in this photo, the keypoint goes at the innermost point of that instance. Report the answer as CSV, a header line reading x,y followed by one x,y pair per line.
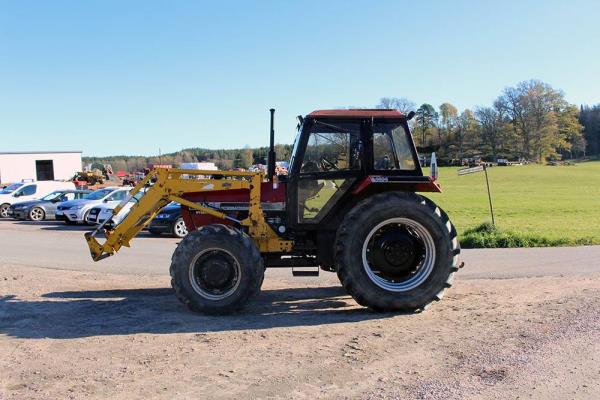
x,y
163,186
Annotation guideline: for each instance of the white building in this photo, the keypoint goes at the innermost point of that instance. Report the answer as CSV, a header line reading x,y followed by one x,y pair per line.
x,y
205,166
40,166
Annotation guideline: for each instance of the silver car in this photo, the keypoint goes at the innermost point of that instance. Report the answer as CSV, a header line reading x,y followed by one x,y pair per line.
x,y
44,208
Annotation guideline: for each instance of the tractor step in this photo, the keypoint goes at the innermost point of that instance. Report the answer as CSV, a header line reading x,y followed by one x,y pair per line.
x,y
305,272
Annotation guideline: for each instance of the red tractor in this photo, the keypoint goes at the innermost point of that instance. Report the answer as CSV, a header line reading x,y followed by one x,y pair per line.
x,y
348,205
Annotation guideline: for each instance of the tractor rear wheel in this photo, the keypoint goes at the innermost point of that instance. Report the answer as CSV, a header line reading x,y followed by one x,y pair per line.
x,y
396,251
216,269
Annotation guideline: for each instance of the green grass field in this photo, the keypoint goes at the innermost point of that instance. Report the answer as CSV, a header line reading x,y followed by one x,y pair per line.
x,y
561,202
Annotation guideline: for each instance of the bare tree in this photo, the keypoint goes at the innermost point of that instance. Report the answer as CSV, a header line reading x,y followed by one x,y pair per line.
x,y
401,104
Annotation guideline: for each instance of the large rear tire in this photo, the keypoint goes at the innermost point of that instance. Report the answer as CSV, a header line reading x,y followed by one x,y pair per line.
x,y
396,251
216,269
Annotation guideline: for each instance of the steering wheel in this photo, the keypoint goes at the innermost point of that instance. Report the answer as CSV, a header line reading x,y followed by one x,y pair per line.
x,y
328,165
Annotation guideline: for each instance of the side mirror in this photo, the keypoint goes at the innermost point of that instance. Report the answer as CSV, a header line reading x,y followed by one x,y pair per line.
x,y
410,115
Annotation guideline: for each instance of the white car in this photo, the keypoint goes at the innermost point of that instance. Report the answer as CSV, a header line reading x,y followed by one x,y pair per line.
x,y
76,211
29,191
102,212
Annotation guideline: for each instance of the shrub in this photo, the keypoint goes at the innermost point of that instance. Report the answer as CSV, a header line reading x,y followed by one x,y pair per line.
x,y
487,235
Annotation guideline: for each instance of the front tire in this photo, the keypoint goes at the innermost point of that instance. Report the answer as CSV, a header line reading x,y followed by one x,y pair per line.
x,y
396,251
216,269
37,214
4,210
179,229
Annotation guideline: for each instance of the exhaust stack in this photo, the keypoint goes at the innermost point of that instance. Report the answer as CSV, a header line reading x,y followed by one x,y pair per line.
x,y
272,156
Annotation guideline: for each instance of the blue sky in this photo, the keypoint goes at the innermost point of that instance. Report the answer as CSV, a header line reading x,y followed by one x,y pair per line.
x,y
130,77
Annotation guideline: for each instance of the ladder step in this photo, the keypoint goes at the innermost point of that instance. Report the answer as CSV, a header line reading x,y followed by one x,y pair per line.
x,y
305,272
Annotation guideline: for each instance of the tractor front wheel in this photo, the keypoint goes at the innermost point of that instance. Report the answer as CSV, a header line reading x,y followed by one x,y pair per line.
x,y
396,251
216,269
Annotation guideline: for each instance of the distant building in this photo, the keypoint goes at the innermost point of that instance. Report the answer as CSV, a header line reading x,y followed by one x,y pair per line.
x,y
38,165
205,166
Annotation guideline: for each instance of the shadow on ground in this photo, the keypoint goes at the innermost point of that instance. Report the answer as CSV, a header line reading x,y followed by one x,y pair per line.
x,y
61,226
66,315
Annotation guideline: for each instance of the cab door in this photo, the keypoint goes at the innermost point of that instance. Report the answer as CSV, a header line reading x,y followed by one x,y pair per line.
x,y
330,163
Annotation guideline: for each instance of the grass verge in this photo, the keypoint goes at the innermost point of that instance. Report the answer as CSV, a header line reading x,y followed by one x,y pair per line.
x,y
487,235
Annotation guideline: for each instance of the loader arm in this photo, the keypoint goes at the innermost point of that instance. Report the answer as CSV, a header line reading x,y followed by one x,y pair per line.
x,y
169,185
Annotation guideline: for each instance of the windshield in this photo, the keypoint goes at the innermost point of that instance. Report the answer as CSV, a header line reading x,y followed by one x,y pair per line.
x,y
52,196
11,188
98,194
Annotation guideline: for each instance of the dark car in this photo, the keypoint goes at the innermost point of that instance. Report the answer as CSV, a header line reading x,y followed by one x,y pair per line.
x,y
169,221
44,208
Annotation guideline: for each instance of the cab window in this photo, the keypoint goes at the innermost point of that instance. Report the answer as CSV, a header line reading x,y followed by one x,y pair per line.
x,y
392,149
332,147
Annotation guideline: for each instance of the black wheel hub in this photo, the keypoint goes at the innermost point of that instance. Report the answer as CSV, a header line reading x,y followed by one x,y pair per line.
x,y
395,252
215,272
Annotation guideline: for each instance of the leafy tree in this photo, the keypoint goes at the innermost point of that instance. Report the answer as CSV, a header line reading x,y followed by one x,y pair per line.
x,y
535,110
448,115
465,132
572,131
589,117
247,158
426,119
492,128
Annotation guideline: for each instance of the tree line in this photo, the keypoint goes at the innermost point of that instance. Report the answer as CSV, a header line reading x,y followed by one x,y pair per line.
x,y
531,121
224,159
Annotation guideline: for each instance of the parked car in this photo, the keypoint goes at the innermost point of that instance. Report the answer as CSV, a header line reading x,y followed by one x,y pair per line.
x,y
31,191
76,211
104,211
44,208
169,220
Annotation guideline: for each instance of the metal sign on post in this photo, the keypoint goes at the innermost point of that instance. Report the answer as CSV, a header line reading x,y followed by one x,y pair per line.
x,y
466,171
479,168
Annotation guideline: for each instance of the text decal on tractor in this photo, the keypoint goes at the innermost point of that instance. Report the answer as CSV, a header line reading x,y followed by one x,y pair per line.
x,y
348,206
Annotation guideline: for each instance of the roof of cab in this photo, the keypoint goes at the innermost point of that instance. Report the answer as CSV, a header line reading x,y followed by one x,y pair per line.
x,y
358,113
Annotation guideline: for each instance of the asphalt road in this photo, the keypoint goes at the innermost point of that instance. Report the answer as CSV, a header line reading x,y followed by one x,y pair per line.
x,y
57,246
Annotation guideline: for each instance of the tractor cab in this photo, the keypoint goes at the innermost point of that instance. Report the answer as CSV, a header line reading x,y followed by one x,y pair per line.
x,y
340,156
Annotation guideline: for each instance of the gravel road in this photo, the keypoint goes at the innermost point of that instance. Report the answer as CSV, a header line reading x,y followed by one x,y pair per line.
x,y
520,323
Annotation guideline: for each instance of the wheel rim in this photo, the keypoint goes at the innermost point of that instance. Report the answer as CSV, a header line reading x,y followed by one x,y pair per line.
x,y
180,228
4,211
37,214
406,268
215,274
